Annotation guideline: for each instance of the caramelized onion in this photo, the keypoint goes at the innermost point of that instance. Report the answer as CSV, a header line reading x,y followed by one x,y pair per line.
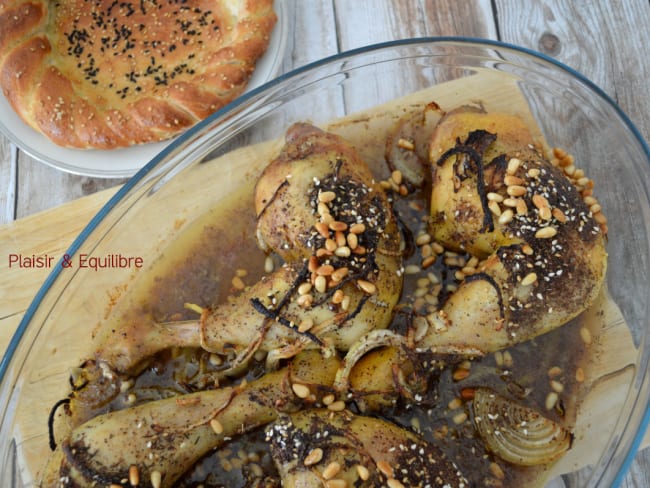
x,y
407,147
518,434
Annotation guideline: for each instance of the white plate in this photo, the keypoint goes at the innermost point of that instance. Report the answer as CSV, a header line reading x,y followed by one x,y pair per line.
x,y
124,162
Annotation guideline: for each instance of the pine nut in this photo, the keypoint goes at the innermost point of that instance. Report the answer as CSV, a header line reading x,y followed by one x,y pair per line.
x,y
314,457
301,391
546,232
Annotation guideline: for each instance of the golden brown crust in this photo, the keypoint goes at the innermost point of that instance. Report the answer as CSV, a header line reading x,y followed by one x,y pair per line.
x,y
106,74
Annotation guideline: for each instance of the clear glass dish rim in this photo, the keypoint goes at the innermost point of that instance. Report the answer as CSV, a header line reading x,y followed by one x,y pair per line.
x,y
242,100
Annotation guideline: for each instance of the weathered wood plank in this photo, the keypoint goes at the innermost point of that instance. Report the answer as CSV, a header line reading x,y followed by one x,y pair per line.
x,y
8,156
590,37
312,32
359,25
41,187
51,233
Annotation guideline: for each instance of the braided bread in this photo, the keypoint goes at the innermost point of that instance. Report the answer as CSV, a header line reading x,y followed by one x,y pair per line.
x,y
113,73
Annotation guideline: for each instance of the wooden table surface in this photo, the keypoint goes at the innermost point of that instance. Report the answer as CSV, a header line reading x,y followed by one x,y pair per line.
x,y
606,40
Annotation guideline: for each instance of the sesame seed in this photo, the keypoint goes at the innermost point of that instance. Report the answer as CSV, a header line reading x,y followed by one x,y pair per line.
x,y
305,301
426,262
411,269
437,248
337,297
460,374
455,403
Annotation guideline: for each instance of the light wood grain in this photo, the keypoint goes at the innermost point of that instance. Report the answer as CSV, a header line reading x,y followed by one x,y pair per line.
x,y
8,165
312,35
590,37
360,25
40,187
49,232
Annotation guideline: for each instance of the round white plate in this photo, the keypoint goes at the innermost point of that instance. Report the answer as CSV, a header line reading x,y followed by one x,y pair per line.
x,y
124,162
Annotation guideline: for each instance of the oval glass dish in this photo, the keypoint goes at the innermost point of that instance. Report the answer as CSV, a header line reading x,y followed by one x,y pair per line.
x,y
174,200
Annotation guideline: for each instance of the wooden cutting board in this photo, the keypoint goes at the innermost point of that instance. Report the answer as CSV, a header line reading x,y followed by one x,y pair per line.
x,y
46,233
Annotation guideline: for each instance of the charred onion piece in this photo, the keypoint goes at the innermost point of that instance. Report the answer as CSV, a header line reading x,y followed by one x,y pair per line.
x,y
408,145
518,434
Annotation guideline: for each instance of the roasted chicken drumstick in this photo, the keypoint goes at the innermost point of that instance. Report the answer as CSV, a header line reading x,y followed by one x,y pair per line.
x,y
319,208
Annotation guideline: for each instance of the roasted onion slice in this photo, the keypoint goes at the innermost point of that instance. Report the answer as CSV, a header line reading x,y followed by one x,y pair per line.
x,y
518,434
407,147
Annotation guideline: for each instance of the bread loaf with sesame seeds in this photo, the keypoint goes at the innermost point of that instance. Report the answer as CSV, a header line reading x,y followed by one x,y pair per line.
x,y
104,74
